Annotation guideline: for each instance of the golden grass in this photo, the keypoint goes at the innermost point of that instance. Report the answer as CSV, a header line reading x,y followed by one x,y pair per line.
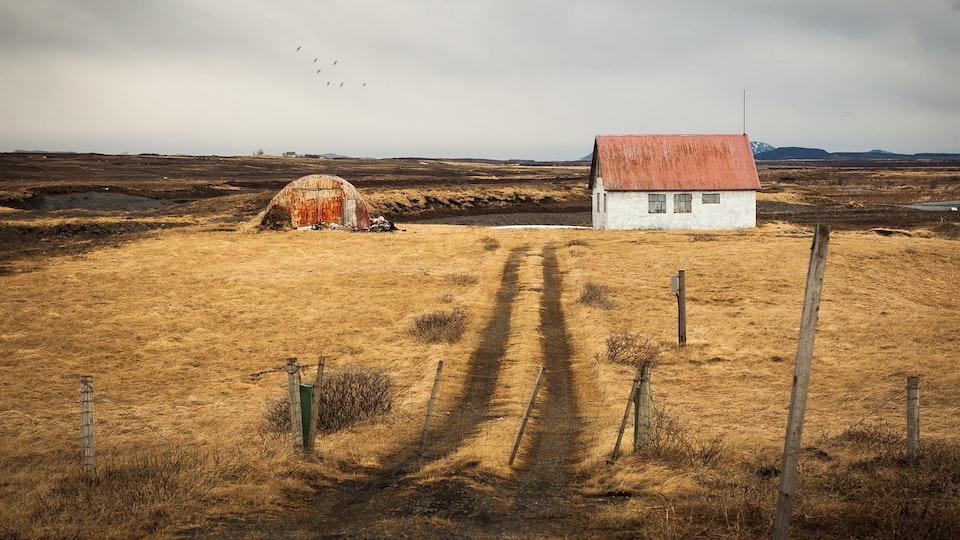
x,y
171,326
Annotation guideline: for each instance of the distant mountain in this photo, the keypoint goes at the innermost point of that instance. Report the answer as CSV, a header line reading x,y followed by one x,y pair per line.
x,y
760,147
793,152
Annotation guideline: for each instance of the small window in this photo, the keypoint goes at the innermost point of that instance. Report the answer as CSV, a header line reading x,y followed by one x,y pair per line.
x,y
711,198
682,203
657,203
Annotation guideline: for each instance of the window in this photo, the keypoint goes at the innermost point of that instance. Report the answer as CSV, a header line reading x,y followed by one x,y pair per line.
x,y
657,203
682,203
711,198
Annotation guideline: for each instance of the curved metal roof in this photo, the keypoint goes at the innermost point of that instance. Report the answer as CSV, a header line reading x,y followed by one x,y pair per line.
x,y
322,198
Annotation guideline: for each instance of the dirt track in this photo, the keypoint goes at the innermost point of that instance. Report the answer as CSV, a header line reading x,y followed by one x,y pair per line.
x,y
534,502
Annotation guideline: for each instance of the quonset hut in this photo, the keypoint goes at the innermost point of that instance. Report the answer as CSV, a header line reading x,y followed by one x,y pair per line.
x,y
321,199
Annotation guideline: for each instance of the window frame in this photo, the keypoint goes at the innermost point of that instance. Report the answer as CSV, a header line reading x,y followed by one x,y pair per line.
x,y
656,203
683,203
714,198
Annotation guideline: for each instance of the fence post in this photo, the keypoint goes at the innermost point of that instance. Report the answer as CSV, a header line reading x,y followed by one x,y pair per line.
x,y
311,442
433,397
87,444
913,418
523,422
626,413
643,411
296,414
801,381
681,307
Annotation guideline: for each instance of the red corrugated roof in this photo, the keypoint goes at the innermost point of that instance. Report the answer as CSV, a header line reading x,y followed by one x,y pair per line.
x,y
674,163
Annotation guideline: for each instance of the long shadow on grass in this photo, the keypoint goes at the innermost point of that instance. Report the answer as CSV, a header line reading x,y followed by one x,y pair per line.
x,y
447,435
539,491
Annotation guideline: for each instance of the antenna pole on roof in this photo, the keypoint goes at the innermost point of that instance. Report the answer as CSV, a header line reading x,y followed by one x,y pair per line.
x,y
744,111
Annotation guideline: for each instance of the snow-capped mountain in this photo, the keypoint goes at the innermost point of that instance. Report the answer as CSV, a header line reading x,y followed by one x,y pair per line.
x,y
759,147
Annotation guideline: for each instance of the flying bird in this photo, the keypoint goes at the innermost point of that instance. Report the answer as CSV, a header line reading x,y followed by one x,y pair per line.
x,y
315,60
328,83
318,71
334,62
298,47
341,85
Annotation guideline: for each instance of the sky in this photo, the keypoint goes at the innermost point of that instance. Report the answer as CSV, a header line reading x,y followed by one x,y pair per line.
x,y
498,79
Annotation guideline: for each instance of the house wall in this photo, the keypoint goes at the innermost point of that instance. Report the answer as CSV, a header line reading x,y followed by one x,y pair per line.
x,y
629,210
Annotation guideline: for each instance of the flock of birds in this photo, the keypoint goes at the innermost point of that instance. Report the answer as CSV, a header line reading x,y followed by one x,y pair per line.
x,y
320,69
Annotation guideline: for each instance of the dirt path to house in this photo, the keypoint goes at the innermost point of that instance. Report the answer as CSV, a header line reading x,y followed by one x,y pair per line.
x,y
536,501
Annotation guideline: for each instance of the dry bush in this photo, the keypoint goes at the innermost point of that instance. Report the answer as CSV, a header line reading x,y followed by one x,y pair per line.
x,y
462,279
577,242
276,219
673,441
594,295
440,326
629,348
489,243
348,397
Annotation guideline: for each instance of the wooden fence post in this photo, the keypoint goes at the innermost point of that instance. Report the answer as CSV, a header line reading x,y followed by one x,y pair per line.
x,y
526,415
296,414
681,307
87,444
801,381
433,397
913,418
311,443
643,410
626,414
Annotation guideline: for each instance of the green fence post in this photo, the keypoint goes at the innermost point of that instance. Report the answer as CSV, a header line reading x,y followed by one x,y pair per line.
x,y
306,409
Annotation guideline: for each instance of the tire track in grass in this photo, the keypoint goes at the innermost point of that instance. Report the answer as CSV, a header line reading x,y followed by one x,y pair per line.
x,y
539,491
355,506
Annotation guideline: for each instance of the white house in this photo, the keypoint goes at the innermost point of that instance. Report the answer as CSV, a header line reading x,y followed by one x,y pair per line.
x,y
673,182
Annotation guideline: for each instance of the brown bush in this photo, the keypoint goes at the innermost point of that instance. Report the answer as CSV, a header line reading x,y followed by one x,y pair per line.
x,y
348,397
594,295
490,243
629,348
440,326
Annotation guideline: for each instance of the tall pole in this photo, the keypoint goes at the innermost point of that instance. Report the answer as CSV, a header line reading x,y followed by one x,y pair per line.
x,y
744,111
801,381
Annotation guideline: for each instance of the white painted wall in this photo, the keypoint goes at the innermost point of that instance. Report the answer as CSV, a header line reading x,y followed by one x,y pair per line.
x,y
628,210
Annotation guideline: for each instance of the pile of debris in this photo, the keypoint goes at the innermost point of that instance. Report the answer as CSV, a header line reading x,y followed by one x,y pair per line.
x,y
377,224
381,224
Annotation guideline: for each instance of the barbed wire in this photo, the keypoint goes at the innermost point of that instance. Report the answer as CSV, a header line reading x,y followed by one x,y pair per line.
x,y
135,416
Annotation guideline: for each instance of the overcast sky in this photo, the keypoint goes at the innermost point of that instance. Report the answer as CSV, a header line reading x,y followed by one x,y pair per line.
x,y
530,79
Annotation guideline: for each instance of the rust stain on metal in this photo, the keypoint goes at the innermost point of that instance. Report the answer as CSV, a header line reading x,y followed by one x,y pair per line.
x,y
322,198
674,163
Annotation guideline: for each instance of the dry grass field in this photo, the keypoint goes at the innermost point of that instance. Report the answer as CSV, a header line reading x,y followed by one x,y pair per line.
x,y
185,313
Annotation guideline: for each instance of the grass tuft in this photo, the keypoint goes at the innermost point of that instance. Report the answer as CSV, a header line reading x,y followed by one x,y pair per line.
x,y
595,296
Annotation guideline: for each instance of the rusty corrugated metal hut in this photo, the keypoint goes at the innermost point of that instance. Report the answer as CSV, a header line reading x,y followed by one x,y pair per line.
x,y
673,182
322,199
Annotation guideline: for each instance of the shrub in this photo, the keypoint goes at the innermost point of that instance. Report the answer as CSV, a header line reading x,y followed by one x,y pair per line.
x,y
490,243
630,348
594,295
440,326
674,442
348,397
462,279
276,219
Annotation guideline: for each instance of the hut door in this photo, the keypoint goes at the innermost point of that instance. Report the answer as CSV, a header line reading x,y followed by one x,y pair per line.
x,y
330,205
349,211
